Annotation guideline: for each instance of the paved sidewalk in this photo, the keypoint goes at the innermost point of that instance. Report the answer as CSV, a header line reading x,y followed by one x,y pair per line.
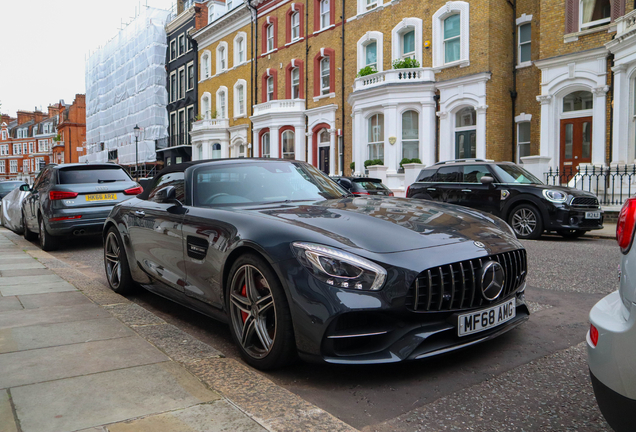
x,y
75,356
608,231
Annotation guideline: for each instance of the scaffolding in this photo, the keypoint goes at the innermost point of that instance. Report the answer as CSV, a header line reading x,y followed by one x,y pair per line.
x,y
126,87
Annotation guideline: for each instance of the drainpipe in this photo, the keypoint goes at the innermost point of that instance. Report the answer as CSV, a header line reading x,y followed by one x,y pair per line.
x,y
342,90
513,92
253,68
610,98
307,150
436,99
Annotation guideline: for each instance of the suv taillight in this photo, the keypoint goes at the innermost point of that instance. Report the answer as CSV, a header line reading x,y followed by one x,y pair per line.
x,y
59,195
408,189
134,191
625,225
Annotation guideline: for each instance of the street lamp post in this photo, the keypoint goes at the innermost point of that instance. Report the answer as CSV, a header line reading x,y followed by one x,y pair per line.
x,y
136,129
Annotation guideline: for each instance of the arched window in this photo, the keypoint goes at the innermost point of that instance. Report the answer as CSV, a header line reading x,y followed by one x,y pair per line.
x,y
206,106
466,133
288,145
270,88
371,55
205,65
325,76
239,98
578,101
375,137
270,37
221,102
407,42
370,51
216,151
265,147
221,57
410,135
241,150
295,83
240,48
451,38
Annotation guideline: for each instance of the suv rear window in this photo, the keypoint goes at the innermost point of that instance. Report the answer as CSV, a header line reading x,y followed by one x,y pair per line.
x,y
427,175
367,185
95,175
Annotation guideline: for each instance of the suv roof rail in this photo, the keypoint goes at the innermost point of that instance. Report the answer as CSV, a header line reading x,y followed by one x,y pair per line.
x,y
461,160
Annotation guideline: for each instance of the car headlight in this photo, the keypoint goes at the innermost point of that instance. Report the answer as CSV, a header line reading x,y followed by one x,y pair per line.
x,y
555,196
339,268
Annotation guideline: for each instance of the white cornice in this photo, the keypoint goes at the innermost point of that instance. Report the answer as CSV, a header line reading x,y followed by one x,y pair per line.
x,y
465,80
180,20
222,26
564,60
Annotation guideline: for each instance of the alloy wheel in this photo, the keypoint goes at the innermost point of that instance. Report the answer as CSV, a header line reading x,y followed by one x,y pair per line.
x,y
113,265
253,311
524,222
43,244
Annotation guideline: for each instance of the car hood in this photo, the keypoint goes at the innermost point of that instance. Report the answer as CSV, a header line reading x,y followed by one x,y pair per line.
x,y
386,225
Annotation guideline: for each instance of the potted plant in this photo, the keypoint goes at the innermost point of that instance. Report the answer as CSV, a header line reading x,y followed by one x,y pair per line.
x,y
367,70
407,63
407,161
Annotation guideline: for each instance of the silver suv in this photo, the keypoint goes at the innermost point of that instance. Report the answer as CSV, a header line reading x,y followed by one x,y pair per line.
x,y
611,340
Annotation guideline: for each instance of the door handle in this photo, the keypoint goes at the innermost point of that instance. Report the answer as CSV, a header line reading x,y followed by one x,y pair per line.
x,y
431,189
466,190
140,213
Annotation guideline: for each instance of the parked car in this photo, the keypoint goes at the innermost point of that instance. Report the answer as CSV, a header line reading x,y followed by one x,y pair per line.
x,y
363,185
611,340
11,207
508,191
73,200
5,188
297,265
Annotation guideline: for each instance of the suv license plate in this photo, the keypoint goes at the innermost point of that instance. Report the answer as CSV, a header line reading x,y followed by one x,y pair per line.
x,y
592,215
485,319
101,197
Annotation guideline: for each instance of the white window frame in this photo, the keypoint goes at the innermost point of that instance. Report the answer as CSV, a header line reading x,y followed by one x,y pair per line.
x,y
370,37
182,129
295,27
293,141
239,94
419,132
519,43
13,166
325,90
369,142
176,54
174,131
269,32
4,135
25,148
4,150
206,65
365,6
181,82
270,88
600,22
190,67
31,147
188,40
206,102
296,85
221,102
2,167
325,14
403,27
17,148
173,89
38,163
519,143
451,8
26,165
240,42
221,57
269,144
185,49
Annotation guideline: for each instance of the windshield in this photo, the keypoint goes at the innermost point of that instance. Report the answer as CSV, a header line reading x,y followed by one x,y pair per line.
x,y
514,174
6,187
262,182
94,175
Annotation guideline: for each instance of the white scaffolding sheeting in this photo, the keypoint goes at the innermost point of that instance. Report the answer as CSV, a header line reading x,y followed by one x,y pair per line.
x,y
126,86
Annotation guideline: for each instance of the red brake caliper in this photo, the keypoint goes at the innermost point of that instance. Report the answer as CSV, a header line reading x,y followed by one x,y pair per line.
x,y
244,294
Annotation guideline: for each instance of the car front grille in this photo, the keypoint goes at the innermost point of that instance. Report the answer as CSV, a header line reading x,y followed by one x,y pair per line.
x,y
457,286
584,202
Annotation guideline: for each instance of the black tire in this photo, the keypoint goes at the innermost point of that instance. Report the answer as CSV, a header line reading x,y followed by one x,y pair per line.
x,y
27,233
116,264
260,320
47,241
525,220
571,233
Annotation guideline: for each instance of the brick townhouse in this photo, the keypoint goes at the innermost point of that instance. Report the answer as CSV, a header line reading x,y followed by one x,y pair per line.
x,y
549,83
225,70
70,142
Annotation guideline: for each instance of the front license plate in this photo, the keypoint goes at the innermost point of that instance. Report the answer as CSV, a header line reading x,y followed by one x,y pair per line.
x,y
101,197
592,215
485,319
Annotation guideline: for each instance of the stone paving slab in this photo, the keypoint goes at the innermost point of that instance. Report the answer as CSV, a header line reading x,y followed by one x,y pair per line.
x,y
10,303
107,397
40,288
7,422
45,364
29,280
15,258
21,265
32,272
133,315
51,335
68,298
176,343
217,416
50,315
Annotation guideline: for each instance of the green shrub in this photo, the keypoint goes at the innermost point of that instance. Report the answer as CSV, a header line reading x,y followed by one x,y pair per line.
x,y
407,63
367,70
408,161
370,162
352,166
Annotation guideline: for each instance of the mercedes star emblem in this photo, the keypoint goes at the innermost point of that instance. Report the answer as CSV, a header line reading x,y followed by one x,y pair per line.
x,y
492,280
479,244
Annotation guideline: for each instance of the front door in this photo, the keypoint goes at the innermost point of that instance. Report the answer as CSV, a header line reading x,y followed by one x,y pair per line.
x,y
466,144
323,159
576,143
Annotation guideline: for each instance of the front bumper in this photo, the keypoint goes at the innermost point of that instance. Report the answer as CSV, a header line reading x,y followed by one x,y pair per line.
x,y
612,361
569,218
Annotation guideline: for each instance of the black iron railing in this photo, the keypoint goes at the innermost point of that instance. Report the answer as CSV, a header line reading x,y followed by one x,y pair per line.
x,y
612,185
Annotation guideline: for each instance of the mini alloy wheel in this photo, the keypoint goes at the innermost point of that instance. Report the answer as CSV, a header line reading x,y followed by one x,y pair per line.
x,y
116,264
526,222
259,315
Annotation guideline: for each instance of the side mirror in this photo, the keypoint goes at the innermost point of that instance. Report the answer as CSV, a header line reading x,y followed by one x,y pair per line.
x,y
167,195
25,188
487,180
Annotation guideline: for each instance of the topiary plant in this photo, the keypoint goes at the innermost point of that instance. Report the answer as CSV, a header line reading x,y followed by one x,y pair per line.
x,y
352,166
370,162
408,161
407,63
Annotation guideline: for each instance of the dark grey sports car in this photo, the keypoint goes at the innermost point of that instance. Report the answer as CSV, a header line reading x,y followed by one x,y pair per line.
x,y
297,266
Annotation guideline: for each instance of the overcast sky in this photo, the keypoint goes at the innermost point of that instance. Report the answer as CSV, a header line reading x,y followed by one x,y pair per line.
x,y
44,43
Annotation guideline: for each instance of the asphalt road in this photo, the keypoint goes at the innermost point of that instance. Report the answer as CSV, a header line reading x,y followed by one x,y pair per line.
x,y
533,378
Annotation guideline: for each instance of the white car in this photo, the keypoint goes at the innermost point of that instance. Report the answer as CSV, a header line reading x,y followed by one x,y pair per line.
x,y
611,340
11,207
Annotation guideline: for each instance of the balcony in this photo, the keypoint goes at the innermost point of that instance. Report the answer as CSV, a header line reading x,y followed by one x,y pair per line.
x,y
394,76
280,106
207,124
626,24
